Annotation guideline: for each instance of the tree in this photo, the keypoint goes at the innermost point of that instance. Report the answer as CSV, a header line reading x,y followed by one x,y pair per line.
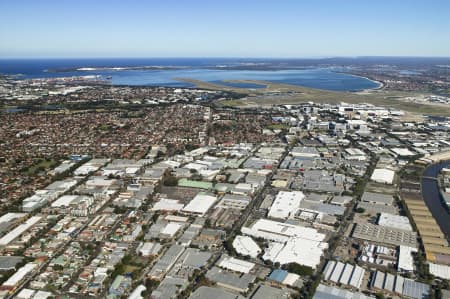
x,y
380,295
170,181
299,269
360,210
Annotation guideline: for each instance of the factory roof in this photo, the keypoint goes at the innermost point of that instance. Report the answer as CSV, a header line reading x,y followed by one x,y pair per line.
x,y
166,204
285,204
327,292
216,293
377,198
442,271
394,221
245,245
235,264
19,275
405,258
382,234
9,237
200,204
194,184
385,176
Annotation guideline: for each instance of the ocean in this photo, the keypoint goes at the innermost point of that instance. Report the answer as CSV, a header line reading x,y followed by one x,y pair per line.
x,y
164,71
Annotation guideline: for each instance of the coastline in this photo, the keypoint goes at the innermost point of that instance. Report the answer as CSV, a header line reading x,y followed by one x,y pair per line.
x,y
380,86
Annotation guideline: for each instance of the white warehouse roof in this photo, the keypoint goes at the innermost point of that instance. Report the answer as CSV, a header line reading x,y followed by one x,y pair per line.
x,y
382,175
405,258
395,221
302,245
347,274
9,237
200,204
236,265
166,204
245,245
441,271
286,204
19,275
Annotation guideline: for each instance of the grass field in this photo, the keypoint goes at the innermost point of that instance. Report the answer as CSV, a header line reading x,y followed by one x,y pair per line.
x,y
41,165
275,93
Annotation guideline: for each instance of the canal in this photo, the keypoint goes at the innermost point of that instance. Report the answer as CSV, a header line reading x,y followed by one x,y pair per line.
x,y
432,196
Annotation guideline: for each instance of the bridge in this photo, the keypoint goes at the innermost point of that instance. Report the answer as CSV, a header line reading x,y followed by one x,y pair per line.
x,y
429,178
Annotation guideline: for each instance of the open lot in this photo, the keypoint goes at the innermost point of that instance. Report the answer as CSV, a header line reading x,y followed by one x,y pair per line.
x,y
275,93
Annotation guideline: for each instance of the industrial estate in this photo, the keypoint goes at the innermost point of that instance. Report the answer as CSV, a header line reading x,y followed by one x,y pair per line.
x,y
159,192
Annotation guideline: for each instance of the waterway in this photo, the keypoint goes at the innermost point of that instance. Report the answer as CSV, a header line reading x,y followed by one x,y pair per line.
x,y
433,198
164,72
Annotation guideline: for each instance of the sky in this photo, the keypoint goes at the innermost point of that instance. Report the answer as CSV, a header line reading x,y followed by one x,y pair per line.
x,y
231,28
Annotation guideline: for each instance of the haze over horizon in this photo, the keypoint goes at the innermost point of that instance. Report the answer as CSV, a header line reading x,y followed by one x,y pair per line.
x,y
253,29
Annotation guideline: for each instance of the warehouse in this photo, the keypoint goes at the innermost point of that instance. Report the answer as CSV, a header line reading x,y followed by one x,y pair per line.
x,y
322,208
229,280
402,152
286,278
327,292
9,262
400,285
377,198
234,201
355,154
383,176
405,259
210,292
385,235
372,208
286,204
246,246
296,250
9,219
165,204
200,204
394,221
18,276
441,271
344,274
19,230
234,264
292,243
166,262
149,248
305,152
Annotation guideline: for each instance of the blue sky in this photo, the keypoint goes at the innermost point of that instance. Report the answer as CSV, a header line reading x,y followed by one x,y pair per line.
x,y
245,28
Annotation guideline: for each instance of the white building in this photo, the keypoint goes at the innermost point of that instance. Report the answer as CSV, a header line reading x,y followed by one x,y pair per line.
x,y
286,204
394,221
236,265
405,259
383,175
200,204
291,243
245,245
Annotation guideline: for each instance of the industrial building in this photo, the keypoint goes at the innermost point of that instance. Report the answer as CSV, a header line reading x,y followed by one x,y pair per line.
x,y
200,204
291,243
286,204
245,245
327,292
234,264
385,235
394,221
383,176
399,285
346,274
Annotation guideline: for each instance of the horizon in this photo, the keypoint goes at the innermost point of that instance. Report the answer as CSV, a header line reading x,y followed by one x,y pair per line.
x,y
224,57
